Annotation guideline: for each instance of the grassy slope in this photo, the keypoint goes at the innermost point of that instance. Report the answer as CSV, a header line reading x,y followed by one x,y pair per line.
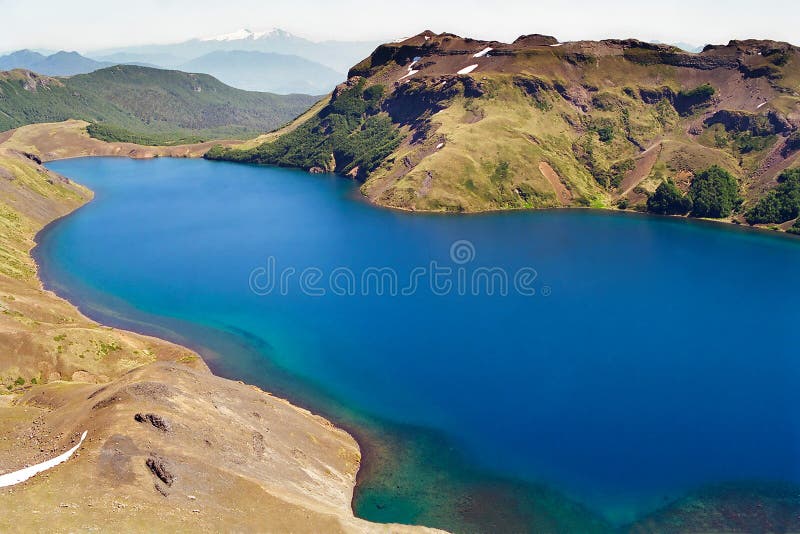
x,y
145,105
39,334
553,105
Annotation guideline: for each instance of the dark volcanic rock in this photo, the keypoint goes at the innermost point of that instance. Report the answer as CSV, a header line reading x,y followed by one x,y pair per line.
x,y
158,466
155,420
742,121
33,157
418,99
532,85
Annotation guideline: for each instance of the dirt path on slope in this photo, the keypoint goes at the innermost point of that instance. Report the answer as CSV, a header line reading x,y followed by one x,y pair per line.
x,y
563,194
644,164
764,178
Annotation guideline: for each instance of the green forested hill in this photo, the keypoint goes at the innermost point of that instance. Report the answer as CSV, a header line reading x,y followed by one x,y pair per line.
x,y
139,103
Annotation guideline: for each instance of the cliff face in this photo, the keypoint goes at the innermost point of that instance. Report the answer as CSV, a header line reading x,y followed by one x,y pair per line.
x,y
169,446
538,123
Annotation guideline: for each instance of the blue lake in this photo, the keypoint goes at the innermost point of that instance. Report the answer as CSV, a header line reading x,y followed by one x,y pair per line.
x,y
631,359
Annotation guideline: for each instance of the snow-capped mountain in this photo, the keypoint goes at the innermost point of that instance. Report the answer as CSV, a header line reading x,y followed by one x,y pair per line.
x,y
245,34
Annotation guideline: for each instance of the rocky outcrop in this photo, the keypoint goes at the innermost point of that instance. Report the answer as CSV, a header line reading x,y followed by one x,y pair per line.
x,y
419,99
675,58
769,123
535,39
153,420
650,95
532,85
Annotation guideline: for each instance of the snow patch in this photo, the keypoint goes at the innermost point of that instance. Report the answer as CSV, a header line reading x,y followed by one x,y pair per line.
x,y
484,52
467,70
761,105
557,44
411,70
244,33
410,73
440,145
11,479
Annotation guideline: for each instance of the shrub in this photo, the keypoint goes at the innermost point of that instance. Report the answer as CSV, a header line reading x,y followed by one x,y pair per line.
x,y
604,129
668,200
714,193
374,92
780,205
501,172
746,142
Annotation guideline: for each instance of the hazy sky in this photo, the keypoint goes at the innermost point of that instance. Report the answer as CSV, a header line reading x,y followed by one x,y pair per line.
x,y
90,24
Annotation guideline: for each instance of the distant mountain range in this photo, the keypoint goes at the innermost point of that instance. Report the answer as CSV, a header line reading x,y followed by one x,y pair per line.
x,y
336,55
266,71
272,61
58,64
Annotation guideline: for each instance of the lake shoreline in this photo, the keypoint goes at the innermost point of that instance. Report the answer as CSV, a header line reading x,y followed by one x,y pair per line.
x,y
32,308
368,448
728,223
301,395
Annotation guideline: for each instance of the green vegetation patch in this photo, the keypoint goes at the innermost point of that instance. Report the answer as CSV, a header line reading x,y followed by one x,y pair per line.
x,y
350,133
781,204
714,193
112,134
669,200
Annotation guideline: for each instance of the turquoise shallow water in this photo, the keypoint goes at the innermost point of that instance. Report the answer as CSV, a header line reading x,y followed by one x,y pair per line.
x,y
656,355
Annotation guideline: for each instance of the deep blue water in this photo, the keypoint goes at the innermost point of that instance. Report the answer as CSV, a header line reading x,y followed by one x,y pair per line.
x,y
657,355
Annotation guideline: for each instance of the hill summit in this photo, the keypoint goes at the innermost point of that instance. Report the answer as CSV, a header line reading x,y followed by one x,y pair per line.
x,y
438,122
